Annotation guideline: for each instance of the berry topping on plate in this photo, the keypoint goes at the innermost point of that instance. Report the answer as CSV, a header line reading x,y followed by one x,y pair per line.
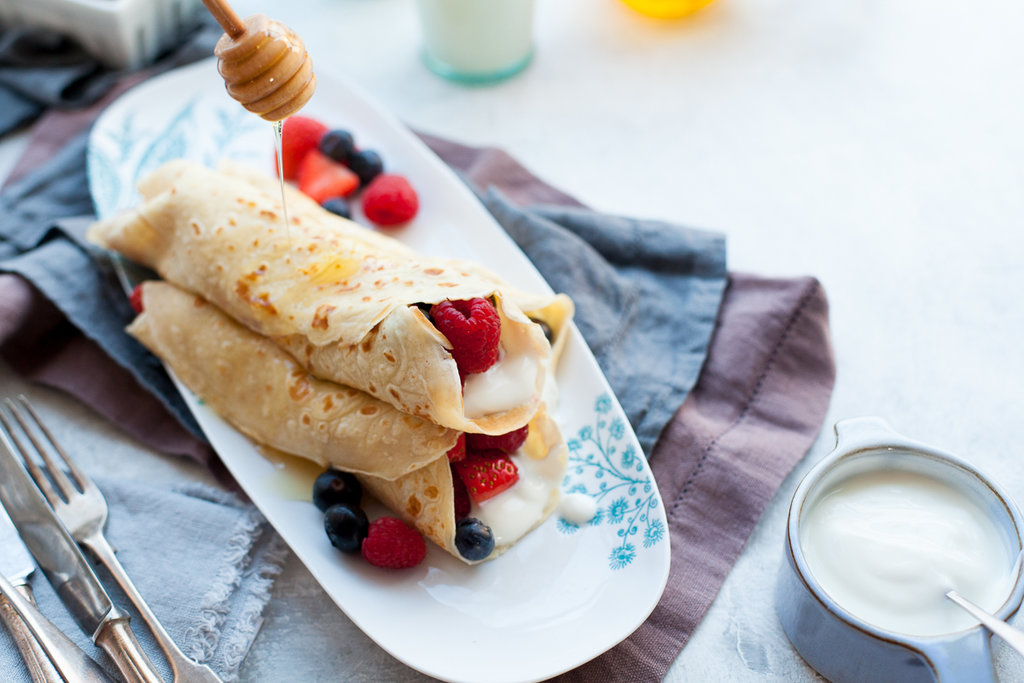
x,y
474,539
458,451
338,145
299,136
473,328
508,443
390,200
486,473
346,526
393,544
338,206
322,179
366,164
333,487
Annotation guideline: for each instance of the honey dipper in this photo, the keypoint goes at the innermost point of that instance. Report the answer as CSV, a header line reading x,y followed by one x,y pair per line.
x,y
264,64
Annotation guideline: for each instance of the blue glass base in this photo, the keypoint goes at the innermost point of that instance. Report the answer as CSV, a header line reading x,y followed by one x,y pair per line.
x,y
473,77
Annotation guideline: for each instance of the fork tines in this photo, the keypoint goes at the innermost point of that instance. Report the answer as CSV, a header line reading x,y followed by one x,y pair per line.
x,y
56,471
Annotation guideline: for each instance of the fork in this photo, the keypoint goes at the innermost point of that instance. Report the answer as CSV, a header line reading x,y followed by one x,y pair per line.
x,y
81,507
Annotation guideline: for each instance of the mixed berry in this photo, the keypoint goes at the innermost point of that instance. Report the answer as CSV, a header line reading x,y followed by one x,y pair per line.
x,y
328,166
384,542
474,330
477,475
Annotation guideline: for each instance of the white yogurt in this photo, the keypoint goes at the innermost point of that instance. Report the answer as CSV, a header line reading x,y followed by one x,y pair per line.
x,y
513,512
888,545
577,508
506,384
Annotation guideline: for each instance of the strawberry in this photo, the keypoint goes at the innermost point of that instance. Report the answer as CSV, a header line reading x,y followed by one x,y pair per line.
x,y
486,473
458,451
136,301
323,179
508,443
462,504
299,136
393,544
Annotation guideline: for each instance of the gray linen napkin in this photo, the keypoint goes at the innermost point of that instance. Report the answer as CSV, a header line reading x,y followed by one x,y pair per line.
x,y
204,562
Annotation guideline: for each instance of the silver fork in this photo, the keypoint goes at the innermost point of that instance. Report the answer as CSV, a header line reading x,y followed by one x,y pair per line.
x,y
81,507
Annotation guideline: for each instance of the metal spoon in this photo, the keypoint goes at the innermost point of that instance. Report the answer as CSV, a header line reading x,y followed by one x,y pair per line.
x,y
1013,637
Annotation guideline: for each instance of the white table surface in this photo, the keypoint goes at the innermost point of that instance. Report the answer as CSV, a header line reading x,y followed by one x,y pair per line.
x,y
876,145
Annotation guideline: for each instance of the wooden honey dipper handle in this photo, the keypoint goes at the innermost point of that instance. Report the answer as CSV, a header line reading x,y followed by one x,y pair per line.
x,y
264,64
226,17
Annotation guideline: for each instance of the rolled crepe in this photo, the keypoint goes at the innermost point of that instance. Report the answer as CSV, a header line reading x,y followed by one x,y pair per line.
x,y
340,298
260,390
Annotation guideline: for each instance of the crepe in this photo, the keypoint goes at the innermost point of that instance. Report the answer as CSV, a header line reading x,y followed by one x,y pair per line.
x,y
259,389
343,300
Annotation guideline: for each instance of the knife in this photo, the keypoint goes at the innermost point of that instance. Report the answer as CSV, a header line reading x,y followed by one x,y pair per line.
x,y
33,634
68,572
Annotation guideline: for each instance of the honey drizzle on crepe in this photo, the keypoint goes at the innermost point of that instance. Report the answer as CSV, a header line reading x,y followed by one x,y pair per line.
x,y
278,136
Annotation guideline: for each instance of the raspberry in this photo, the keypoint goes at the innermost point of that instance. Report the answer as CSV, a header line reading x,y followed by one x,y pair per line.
x,y
136,301
299,136
389,200
458,451
473,328
508,443
393,544
462,505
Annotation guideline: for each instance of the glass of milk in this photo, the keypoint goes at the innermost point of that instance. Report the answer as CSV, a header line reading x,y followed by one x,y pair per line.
x,y
476,41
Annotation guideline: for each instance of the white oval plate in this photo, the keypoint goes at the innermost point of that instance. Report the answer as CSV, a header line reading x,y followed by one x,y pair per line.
x,y
563,594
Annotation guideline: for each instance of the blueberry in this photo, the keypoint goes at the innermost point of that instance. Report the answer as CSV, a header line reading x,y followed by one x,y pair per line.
x,y
546,329
346,526
339,206
334,486
338,145
366,164
473,538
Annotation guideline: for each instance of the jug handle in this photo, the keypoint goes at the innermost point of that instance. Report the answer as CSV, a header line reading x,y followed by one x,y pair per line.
x,y
967,658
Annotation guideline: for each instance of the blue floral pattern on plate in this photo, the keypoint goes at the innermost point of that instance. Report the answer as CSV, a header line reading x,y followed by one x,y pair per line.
x,y
118,158
607,466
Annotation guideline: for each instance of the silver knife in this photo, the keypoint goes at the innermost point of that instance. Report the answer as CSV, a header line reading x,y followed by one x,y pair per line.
x,y
33,633
68,572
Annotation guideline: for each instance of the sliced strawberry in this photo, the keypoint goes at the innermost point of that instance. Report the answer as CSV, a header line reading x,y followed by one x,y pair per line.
x,y
458,452
299,136
323,179
486,473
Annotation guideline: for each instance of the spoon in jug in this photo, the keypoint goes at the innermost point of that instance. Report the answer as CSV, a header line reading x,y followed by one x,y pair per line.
x,y
1013,637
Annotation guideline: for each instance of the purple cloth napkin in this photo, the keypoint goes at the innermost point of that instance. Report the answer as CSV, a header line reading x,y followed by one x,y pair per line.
x,y
759,402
